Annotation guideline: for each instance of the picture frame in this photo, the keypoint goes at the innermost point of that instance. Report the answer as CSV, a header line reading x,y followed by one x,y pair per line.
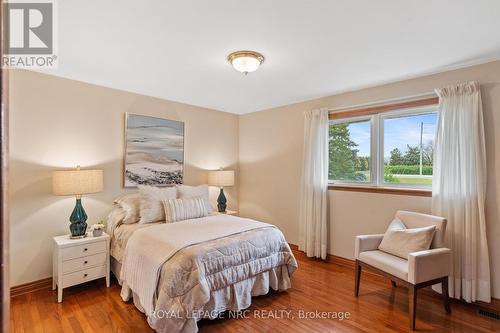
x,y
154,151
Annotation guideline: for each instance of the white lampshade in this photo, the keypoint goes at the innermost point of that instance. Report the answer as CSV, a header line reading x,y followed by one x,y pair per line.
x,y
221,178
77,182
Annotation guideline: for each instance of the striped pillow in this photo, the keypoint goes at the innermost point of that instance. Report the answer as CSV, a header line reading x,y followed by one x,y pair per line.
x,y
184,209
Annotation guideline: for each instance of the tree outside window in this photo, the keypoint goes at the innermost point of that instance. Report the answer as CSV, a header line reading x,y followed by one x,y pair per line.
x,y
347,162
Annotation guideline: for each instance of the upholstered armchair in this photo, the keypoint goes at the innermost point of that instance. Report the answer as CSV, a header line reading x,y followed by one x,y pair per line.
x,y
422,269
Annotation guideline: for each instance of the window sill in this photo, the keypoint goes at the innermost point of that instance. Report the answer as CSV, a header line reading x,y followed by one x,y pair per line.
x,y
380,189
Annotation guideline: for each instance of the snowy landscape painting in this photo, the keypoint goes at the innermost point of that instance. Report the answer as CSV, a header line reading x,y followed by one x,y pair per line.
x,y
154,151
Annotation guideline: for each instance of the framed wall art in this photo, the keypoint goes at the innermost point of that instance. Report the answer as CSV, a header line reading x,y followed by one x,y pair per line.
x,y
154,151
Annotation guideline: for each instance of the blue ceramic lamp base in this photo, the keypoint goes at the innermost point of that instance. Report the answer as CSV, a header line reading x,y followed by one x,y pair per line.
x,y
221,201
78,218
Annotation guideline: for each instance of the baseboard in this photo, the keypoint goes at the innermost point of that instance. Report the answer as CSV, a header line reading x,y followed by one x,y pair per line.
x,y
349,263
493,306
31,287
332,259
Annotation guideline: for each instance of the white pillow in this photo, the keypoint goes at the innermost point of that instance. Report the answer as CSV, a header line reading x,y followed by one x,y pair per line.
x,y
115,218
185,191
131,204
184,209
400,241
151,202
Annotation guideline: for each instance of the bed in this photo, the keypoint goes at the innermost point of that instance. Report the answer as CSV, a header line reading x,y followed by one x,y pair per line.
x,y
179,273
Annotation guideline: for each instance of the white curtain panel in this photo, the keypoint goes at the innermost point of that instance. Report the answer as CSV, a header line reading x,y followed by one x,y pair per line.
x,y
459,187
313,195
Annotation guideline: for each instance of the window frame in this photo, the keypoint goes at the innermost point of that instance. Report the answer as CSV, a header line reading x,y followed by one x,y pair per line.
x,y
377,145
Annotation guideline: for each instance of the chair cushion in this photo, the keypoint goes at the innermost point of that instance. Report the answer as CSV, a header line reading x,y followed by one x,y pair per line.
x,y
400,241
419,220
386,262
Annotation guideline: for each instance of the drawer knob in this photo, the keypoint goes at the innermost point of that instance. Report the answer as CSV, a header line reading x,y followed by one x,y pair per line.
x,y
85,275
85,262
85,250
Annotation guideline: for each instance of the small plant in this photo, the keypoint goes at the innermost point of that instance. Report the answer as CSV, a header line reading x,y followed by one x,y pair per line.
x,y
98,226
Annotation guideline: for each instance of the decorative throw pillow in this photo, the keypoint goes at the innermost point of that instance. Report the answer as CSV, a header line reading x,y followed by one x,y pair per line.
x,y
185,191
151,209
400,241
184,209
130,203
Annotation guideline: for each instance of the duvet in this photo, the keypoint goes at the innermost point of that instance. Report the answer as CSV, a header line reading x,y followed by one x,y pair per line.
x,y
178,273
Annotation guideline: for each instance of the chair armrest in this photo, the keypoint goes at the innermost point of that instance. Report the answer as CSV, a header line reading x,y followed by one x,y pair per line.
x,y
366,243
428,265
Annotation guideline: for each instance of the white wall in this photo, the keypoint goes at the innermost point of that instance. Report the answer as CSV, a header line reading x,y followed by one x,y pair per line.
x,y
357,213
271,143
58,123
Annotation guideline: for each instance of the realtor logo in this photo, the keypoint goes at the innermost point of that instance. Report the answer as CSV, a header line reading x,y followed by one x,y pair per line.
x,y
30,32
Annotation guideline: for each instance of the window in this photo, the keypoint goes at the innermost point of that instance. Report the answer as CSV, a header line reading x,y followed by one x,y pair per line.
x,y
349,151
408,148
392,148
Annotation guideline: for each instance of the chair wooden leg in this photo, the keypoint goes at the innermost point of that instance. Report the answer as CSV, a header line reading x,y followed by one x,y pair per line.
x,y
394,284
412,300
444,292
357,277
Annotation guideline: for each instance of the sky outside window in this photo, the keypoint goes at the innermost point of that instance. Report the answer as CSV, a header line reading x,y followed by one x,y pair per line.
x,y
398,133
409,149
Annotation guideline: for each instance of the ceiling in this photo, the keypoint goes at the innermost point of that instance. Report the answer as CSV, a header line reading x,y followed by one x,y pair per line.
x,y
177,50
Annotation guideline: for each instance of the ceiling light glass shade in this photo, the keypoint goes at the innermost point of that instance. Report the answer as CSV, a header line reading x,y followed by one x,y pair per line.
x,y
246,61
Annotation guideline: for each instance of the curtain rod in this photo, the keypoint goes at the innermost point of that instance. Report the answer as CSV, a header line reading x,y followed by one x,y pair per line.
x,y
385,101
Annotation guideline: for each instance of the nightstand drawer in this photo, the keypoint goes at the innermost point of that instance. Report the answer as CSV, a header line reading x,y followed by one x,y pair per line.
x,y
84,262
83,276
83,250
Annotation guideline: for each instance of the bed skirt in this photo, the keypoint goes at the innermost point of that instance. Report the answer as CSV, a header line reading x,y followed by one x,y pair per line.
x,y
235,297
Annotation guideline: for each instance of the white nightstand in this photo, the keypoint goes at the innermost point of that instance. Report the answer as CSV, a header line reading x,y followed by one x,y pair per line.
x,y
227,212
76,261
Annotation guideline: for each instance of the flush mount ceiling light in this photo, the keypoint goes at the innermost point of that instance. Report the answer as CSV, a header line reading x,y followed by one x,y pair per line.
x,y
245,61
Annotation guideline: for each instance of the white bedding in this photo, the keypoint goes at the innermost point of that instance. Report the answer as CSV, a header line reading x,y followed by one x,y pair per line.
x,y
210,264
149,248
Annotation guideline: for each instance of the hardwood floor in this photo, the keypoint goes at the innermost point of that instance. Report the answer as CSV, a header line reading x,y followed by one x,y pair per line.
x,y
317,286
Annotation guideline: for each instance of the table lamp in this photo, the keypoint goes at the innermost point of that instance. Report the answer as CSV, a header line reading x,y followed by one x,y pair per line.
x,y
77,182
221,178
